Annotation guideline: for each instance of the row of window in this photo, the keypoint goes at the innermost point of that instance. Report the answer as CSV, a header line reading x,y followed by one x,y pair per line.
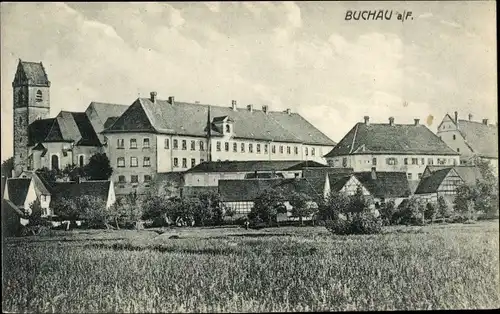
x,y
133,143
410,176
134,178
184,162
408,161
134,162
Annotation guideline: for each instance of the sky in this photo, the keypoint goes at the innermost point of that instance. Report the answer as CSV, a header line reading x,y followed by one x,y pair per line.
x,y
300,55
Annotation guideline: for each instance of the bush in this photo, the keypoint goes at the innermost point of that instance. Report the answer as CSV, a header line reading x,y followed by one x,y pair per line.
x,y
387,212
94,211
356,223
267,206
430,211
339,226
335,204
411,212
443,207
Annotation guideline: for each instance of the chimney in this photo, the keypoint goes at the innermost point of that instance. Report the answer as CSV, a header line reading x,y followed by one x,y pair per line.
x,y
374,174
288,111
171,100
391,120
250,108
264,108
485,121
470,116
456,116
367,120
153,97
416,121
233,105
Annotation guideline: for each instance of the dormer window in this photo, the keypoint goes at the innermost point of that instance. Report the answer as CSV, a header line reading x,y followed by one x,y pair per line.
x,y
39,96
228,128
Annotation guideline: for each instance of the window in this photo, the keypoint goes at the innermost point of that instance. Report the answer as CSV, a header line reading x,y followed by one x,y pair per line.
x,y
145,143
409,176
167,143
258,148
265,148
226,146
288,150
391,161
406,161
176,162
344,162
133,162
146,162
441,161
81,160
120,143
228,128
184,163
312,151
419,176
184,145
430,161
147,178
250,148
374,161
193,145
176,144
121,179
193,162
454,162
218,146
235,147
273,149
296,149
281,149
134,178
39,96
120,162
414,161
202,146
133,143
458,150
454,137
307,151
423,161
202,160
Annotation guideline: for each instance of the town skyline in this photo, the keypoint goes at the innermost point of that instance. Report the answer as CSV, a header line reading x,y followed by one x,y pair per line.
x,y
331,71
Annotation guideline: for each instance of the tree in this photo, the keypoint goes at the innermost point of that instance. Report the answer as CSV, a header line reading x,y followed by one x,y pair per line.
x,y
301,206
94,211
430,211
209,208
358,202
336,203
73,172
465,199
412,210
99,167
66,209
7,167
485,169
387,210
49,175
443,207
267,206
125,213
155,207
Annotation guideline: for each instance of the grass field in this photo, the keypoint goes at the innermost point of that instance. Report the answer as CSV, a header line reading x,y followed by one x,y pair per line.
x,y
236,270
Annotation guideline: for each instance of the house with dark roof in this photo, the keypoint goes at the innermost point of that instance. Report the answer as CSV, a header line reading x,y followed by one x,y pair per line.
x,y
384,186
209,173
21,192
470,138
103,189
12,219
41,141
390,147
444,181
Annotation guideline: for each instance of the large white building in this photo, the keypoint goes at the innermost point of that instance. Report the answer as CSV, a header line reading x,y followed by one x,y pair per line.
x,y
391,147
157,136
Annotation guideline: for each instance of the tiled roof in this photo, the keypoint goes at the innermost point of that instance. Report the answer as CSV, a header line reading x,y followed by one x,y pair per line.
x,y
190,119
41,186
322,171
247,166
109,122
34,72
18,190
99,113
430,184
470,174
244,190
72,189
337,182
66,127
390,139
483,139
386,184
8,205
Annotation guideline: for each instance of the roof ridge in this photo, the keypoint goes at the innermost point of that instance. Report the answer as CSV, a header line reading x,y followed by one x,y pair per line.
x,y
354,137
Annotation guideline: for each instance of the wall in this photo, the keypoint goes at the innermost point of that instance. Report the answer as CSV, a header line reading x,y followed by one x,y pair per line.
x,y
449,133
212,178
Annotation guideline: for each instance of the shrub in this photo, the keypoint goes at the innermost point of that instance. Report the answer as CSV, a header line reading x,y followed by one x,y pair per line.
x,y
301,206
99,167
267,206
387,212
365,223
443,207
411,212
430,211
336,203
94,211
124,213
339,226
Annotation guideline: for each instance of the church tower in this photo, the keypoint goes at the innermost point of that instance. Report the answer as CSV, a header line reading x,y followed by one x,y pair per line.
x,y
31,90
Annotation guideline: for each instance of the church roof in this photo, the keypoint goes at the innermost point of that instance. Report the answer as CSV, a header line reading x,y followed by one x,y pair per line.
x,y
390,139
32,72
190,119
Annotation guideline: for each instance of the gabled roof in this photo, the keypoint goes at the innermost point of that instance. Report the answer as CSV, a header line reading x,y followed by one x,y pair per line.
x,y
65,127
41,186
390,139
190,119
337,182
32,73
18,190
244,190
470,174
8,205
430,184
386,184
99,113
313,187
250,166
322,171
98,188
481,138
109,122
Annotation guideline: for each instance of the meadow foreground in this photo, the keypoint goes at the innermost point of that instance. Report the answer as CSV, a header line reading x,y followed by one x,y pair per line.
x,y
454,266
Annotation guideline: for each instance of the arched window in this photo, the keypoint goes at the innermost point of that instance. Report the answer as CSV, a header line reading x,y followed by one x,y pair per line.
x,y
81,160
228,128
55,162
39,96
